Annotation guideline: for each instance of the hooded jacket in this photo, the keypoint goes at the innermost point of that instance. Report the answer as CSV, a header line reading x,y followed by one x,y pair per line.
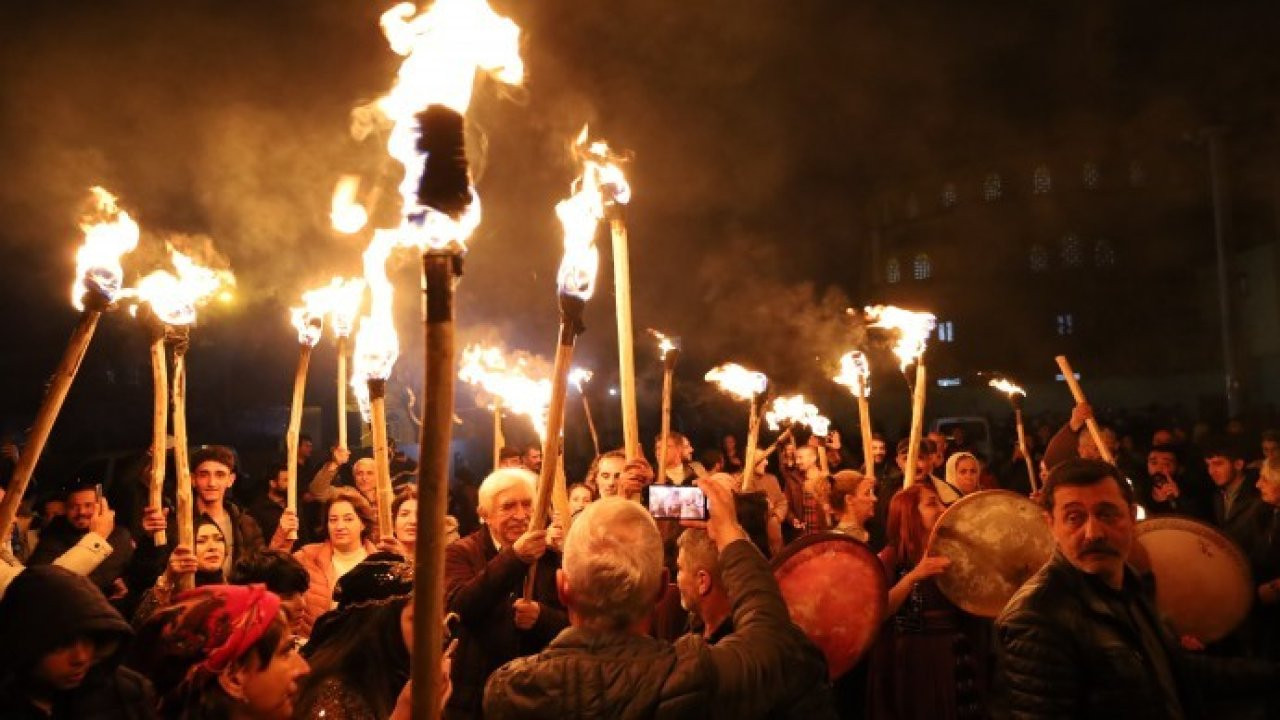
x,y
43,609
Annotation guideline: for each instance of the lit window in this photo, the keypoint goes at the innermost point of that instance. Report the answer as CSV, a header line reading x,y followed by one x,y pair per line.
x,y
1038,257
1091,175
992,187
1041,181
1066,324
892,270
946,331
1137,174
1071,253
949,195
921,267
1104,253
949,382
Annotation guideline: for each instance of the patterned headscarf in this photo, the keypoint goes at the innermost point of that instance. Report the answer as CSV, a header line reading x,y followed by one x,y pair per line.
x,y
209,628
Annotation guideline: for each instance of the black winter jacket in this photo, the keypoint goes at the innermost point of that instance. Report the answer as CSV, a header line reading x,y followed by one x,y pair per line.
x,y
767,664
1065,653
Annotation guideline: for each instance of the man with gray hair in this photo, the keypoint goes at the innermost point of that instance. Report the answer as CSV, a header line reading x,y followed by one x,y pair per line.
x,y
484,584
605,666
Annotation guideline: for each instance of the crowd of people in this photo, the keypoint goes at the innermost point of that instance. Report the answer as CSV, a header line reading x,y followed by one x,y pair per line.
x,y
610,612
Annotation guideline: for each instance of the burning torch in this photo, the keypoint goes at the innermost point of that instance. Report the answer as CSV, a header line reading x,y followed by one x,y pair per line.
x,y
1016,395
510,384
913,330
669,348
376,350
308,320
579,377
855,374
344,304
746,385
109,233
792,410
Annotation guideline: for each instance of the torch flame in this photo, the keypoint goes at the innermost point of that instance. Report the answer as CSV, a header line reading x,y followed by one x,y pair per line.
x,y
309,319
666,344
738,381
855,373
509,380
344,300
1006,386
174,298
579,376
913,330
795,410
109,233
444,47
375,353
347,215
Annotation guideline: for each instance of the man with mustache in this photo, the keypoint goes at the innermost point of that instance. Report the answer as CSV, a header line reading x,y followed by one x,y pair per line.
x,y
484,576
1082,638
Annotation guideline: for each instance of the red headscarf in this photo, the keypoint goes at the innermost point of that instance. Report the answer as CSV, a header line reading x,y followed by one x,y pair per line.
x,y
217,624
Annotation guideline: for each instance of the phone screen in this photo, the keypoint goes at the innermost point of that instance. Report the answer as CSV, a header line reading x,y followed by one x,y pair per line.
x,y
676,502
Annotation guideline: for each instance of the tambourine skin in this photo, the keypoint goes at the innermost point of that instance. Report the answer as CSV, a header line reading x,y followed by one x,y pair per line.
x,y
996,540
836,591
1203,583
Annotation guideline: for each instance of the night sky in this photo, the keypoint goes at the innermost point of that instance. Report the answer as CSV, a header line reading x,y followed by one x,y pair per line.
x,y
760,130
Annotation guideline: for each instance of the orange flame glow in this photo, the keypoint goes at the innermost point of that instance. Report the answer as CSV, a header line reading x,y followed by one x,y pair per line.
x,y
665,344
578,377
375,353
795,410
308,319
913,330
738,381
175,298
345,296
347,215
855,373
444,47
509,380
1006,386
109,233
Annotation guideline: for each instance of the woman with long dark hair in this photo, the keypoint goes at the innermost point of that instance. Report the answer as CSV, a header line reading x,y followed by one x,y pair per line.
x,y
359,652
930,660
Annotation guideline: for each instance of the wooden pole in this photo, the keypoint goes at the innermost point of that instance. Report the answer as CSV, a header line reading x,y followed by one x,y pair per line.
x,y
342,391
749,453
295,427
59,384
555,423
917,425
440,273
864,419
381,455
591,425
668,371
762,454
498,439
1078,393
182,468
159,426
626,349
1022,447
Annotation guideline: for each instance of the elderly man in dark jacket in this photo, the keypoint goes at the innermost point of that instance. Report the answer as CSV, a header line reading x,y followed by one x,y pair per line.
x,y
605,666
1082,638
484,583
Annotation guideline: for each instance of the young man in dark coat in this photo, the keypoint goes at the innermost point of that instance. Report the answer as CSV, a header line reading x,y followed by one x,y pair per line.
x,y
62,644
1083,639
605,666
484,584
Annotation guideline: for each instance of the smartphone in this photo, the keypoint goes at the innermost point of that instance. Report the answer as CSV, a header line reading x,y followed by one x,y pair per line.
x,y
97,491
675,502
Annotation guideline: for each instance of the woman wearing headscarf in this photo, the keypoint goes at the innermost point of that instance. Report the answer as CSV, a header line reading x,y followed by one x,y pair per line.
x,y
964,473
222,652
205,563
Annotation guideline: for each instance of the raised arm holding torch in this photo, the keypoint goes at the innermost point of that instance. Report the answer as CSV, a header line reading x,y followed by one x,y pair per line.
x,y
1078,393
109,233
